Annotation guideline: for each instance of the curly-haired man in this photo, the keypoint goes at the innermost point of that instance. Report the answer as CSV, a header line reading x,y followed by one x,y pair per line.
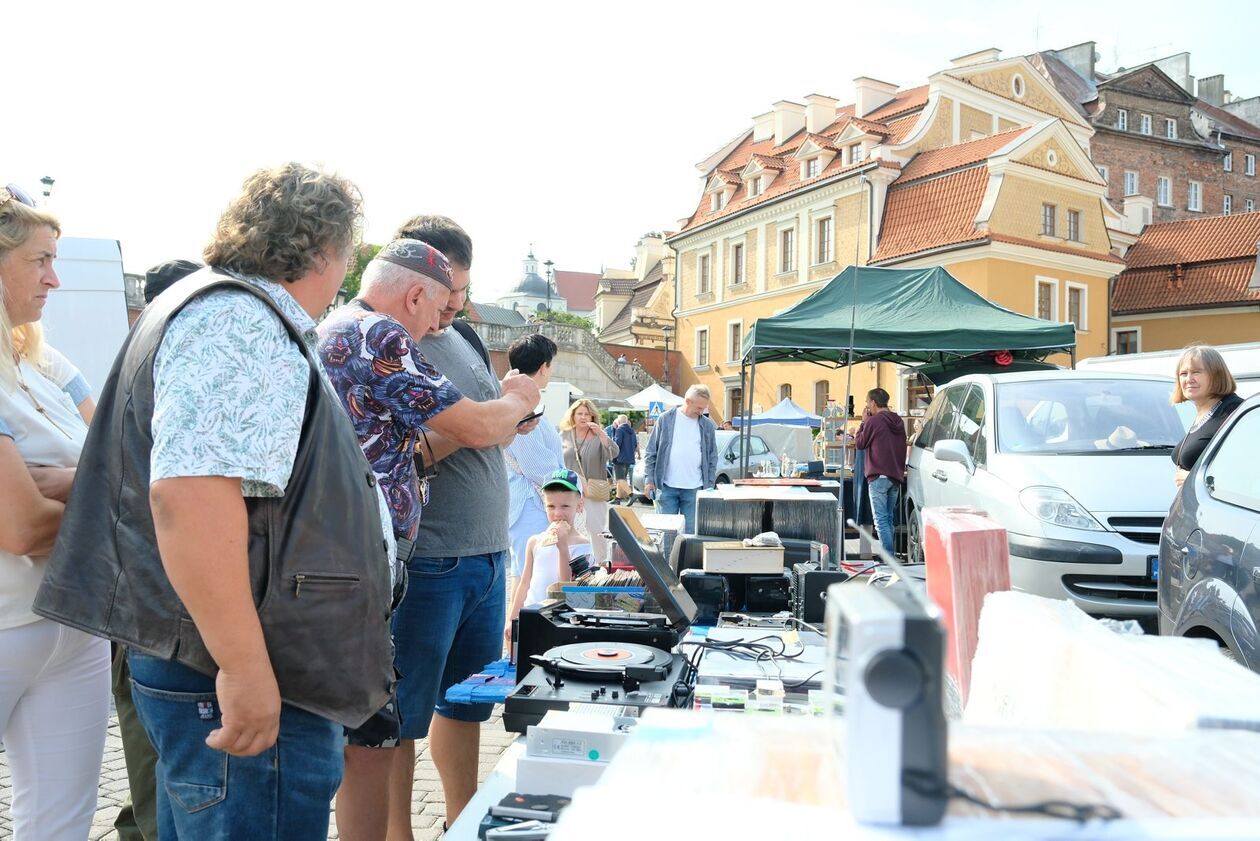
x,y
228,530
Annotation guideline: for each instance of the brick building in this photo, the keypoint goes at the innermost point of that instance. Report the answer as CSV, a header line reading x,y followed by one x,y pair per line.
x,y
1165,142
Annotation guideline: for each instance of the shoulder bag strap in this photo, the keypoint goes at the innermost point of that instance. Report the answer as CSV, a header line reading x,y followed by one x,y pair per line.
x,y
466,330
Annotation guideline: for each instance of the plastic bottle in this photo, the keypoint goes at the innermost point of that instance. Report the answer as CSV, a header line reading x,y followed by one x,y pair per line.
x,y
783,464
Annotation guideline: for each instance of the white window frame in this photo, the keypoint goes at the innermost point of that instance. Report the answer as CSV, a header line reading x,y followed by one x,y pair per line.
x,y
1146,125
1122,119
856,154
704,273
715,202
739,268
1105,172
1250,205
732,351
785,391
1136,183
789,253
1068,286
1227,205
1080,226
1115,331
1249,165
702,363
814,250
1053,283
813,167
1170,128
1163,191
1194,196
1054,219
1228,162
754,187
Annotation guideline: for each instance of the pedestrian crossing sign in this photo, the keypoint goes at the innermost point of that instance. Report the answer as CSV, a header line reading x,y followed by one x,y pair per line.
x,y
655,409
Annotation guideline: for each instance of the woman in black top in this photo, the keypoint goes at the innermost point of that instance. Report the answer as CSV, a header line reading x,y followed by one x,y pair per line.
x,y
1203,379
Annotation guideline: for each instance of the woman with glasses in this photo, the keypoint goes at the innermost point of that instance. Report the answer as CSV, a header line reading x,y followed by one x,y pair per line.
x,y
54,680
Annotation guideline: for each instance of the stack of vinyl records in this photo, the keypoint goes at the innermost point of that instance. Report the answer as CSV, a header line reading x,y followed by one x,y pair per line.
x,y
788,512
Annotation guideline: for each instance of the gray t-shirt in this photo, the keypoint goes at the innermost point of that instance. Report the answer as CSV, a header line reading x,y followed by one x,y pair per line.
x,y
468,500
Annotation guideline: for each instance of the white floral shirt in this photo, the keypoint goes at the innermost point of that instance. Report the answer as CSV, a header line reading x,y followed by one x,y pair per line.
x,y
229,392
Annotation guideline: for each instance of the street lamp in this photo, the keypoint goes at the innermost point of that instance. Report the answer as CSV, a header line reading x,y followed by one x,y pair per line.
x,y
666,329
550,276
48,181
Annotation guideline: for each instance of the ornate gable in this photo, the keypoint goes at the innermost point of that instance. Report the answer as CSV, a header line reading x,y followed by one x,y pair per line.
x,y
1053,155
1017,80
1148,81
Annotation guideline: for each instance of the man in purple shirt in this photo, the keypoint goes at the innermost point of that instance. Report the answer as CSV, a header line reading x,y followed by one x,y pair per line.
x,y
882,436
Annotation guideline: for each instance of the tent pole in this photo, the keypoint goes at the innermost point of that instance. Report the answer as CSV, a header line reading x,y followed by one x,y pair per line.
x,y
745,405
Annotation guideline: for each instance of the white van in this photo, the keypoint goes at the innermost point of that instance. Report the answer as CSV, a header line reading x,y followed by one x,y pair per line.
x,y
86,319
1243,361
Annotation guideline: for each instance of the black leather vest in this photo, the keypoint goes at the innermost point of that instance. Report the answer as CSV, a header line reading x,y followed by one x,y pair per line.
x,y
317,556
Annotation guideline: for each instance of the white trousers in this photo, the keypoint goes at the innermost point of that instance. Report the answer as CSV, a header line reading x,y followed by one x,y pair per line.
x,y
596,514
54,708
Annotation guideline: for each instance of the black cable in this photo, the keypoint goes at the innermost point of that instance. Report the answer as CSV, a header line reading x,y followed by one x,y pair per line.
x,y
918,782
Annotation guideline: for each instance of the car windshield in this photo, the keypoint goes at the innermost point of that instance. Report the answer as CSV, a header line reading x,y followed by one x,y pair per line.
x,y
1087,416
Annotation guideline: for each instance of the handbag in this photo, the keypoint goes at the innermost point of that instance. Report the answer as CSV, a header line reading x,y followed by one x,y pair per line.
x,y
599,490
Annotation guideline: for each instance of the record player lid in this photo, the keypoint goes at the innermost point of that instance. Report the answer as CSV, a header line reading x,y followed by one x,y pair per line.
x,y
627,529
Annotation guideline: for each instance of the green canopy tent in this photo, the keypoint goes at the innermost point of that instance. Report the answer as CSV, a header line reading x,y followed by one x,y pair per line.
x,y
908,316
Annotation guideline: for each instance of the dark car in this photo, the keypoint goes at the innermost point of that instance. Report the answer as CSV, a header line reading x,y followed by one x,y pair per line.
x,y
1209,551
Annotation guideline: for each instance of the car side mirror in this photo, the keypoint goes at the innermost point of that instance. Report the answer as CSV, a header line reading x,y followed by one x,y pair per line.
x,y
952,449
730,456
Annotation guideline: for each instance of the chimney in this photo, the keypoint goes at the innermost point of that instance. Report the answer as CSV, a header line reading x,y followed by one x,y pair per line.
x,y
979,57
1212,90
870,93
763,127
1081,58
648,253
820,112
789,118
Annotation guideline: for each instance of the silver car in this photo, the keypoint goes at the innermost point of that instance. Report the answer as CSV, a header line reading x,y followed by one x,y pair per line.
x,y
728,460
1075,466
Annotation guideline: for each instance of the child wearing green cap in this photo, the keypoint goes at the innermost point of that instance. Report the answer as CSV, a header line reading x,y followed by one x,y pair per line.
x,y
548,553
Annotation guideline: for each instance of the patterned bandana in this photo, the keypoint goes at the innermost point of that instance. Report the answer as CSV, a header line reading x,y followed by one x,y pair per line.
x,y
419,257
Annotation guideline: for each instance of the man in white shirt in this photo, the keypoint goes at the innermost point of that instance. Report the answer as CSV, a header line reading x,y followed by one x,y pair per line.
x,y
681,457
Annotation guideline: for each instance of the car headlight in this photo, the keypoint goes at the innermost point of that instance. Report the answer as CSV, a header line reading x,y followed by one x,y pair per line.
x,y
1056,506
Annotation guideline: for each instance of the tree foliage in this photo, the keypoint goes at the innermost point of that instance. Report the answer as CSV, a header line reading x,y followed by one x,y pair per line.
x,y
354,275
566,318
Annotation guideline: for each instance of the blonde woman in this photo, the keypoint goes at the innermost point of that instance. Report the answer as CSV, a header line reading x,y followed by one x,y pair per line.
x,y
587,451
1203,379
54,680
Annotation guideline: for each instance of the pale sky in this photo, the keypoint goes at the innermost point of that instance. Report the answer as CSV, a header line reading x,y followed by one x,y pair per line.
x,y
572,125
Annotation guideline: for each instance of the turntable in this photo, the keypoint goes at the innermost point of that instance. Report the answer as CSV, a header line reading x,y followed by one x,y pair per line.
x,y
615,673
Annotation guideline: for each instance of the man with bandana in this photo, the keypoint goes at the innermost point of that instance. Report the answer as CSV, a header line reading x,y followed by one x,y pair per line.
x,y
403,412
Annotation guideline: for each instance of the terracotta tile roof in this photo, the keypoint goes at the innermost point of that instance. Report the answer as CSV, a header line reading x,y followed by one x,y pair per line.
x,y
905,100
617,285
642,296
869,126
1061,249
1232,123
1204,285
1196,240
768,161
962,154
578,289
796,141
728,177
898,130
933,213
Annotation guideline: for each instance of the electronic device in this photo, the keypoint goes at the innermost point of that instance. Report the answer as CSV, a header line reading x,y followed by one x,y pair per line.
x,y
801,670
579,736
530,807
808,590
711,593
767,593
530,417
885,671
617,674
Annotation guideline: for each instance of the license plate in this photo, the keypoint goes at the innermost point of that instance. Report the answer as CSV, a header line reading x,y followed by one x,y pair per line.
x,y
1153,562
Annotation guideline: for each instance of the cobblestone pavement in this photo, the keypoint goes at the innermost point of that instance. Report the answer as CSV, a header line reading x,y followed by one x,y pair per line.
x,y
427,808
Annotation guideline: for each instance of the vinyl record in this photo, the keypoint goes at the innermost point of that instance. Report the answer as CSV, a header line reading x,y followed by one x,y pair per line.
x,y
604,659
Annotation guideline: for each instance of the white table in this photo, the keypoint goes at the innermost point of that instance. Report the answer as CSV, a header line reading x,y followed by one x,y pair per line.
x,y
500,783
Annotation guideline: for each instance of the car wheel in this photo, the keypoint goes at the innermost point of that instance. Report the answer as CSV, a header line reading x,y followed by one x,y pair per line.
x,y
723,479
914,537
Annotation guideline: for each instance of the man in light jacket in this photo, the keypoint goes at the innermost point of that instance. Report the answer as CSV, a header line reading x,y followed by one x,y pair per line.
x,y
681,457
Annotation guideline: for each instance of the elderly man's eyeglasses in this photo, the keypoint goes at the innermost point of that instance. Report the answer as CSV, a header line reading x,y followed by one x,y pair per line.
x,y
13,192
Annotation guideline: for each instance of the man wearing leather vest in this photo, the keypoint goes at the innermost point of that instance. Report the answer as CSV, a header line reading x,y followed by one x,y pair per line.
x,y
226,527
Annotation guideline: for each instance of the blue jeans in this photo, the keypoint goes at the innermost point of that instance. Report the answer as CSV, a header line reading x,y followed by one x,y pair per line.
x,y
678,501
448,627
883,503
204,794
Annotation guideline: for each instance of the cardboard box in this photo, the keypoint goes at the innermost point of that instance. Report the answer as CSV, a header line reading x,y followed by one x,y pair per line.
x,y
734,556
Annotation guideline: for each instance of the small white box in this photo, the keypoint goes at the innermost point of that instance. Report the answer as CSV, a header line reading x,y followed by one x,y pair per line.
x,y
576,736
736,557
544,775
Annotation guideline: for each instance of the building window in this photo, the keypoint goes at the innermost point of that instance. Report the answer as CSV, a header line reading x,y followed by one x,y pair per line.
x,y
735,403
1105,173
1251,205
1045,299
737,264
1170,129
785,391
822,254
1047,220
812,167
1229,161
787,250
1228,206
1194,196
1017,86
820,397
1249,165
703,286
702,347
1163,191
1122,120
734,341
856,153
715,202
754,187
1130,183
1074,225
1127,341
1076,305
1145,124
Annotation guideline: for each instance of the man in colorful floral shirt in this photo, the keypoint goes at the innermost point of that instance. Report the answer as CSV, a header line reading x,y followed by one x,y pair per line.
x,y
402,407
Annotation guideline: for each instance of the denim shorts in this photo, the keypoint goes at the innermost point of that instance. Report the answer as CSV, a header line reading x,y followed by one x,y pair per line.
x,y
204,794
448,627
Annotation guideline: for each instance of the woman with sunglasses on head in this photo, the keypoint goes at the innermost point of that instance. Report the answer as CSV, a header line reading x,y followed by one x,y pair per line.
x,y
54,680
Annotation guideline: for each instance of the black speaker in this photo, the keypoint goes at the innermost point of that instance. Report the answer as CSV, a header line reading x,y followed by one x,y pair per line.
x,y
767,593
711,593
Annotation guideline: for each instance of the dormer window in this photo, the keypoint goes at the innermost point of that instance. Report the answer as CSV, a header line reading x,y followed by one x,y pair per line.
x,y
856,154
754,187
813,166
